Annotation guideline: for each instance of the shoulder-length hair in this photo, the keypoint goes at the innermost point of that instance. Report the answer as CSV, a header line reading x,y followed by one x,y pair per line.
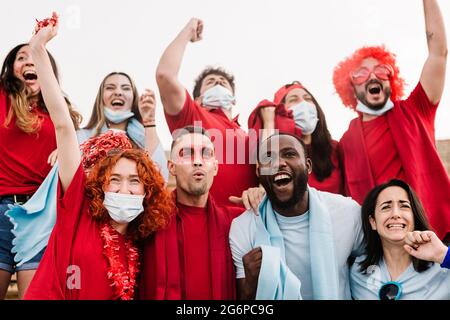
x,y
321,142
98,118
372,240
158,204
28,122
341,74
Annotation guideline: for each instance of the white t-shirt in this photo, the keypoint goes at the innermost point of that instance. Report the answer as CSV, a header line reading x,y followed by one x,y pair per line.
x,y
432,284
346,223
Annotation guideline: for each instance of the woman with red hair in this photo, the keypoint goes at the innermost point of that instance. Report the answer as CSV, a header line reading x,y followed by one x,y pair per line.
x,y
93,251
394,138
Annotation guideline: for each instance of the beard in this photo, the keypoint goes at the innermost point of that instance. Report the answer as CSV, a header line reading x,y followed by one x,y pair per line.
x,y
197,189
300,185
362,96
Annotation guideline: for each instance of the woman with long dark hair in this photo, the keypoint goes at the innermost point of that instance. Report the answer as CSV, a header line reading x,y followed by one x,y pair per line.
x,y
27,138
389,270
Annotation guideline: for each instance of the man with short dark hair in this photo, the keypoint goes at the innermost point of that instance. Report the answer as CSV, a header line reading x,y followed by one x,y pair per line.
x,y
299,244
211,108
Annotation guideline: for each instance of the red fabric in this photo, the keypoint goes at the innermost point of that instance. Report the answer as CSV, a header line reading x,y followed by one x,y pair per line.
x,y
383,155
23,160
412,128
166,274
284,122
283,91
75,241
231,163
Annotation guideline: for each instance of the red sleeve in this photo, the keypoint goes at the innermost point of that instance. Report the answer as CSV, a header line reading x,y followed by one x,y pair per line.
x,y
190,112
419,102
70,204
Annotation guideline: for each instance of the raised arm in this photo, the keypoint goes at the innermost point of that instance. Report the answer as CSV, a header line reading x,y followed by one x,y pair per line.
x,y
171,90
433,73
66,140
147,106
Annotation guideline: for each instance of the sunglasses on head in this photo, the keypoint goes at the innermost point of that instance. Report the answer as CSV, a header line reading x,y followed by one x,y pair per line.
x,y
381,71
390,291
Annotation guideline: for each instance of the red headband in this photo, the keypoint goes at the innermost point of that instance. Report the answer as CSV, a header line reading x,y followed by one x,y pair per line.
x,y
97,148
284,90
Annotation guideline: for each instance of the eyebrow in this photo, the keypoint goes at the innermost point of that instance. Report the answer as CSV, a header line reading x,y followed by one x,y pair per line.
x,y
120,175
390,202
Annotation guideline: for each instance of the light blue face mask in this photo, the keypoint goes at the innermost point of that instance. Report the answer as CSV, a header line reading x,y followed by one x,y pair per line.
x,y
305,116
117,116
361,107
218,96
123,208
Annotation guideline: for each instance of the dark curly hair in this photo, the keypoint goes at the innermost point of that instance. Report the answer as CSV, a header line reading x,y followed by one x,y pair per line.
x,y
211,70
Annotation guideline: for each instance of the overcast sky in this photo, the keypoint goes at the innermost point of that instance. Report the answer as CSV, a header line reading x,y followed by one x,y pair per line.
x,y
264,43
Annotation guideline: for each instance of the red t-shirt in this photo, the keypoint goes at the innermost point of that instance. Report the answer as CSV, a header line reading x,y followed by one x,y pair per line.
x,y
23,156
236,169
381,150
74,266
196,248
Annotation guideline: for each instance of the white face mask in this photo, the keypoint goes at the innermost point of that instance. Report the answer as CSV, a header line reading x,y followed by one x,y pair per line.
x,y
117,116
305,116
123,208
218,96
361,107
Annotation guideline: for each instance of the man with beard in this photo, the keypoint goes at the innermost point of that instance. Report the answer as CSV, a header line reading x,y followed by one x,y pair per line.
x,y
394,138
191,258
299,244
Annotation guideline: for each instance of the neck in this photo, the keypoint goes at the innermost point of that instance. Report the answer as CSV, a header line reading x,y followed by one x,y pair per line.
x,y
119,227
307,139
191,200
368,117
396,258
296,210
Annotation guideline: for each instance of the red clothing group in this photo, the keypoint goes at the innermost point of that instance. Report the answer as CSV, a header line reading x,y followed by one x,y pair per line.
x,y
23,160
237,171
399,144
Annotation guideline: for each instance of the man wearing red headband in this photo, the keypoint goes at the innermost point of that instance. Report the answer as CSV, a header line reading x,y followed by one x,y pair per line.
x,y
394,138
210,108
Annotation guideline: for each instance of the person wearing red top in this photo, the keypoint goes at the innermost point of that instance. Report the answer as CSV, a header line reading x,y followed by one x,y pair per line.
x,y
394,138
27,138
191,258
93,249
296,111
211,108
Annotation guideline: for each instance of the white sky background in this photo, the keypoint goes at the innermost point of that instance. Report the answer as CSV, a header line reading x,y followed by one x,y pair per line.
x,y
264,43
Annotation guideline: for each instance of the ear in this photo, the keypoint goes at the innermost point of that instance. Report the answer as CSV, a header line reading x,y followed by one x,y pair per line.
x,y
199,99
373,223
171,167
309,165
216,167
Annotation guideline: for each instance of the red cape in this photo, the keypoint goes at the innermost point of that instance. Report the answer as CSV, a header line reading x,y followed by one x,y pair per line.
x,y
162,270
412,128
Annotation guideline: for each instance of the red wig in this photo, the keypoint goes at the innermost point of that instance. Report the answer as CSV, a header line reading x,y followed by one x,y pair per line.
x,y
158,204
341,74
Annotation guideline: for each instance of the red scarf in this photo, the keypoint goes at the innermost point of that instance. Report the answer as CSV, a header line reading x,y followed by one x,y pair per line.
x,y
412,128
163,272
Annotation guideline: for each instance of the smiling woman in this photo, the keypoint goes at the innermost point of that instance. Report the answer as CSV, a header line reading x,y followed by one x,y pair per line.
x,y
24,122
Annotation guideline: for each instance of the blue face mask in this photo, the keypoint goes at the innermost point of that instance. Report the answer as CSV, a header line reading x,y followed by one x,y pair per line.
x,y
117,116
305,116
218,96
361,107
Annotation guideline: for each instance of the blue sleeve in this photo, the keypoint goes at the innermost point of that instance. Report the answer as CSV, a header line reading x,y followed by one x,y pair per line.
x,y
446,262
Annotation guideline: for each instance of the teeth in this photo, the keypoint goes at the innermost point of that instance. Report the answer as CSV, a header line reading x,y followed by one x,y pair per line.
x,y
117,102
281,177
29,72
394,225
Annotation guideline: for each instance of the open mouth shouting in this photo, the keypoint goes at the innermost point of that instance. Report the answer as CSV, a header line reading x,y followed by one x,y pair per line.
x,y
282,180
29,75
117,103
